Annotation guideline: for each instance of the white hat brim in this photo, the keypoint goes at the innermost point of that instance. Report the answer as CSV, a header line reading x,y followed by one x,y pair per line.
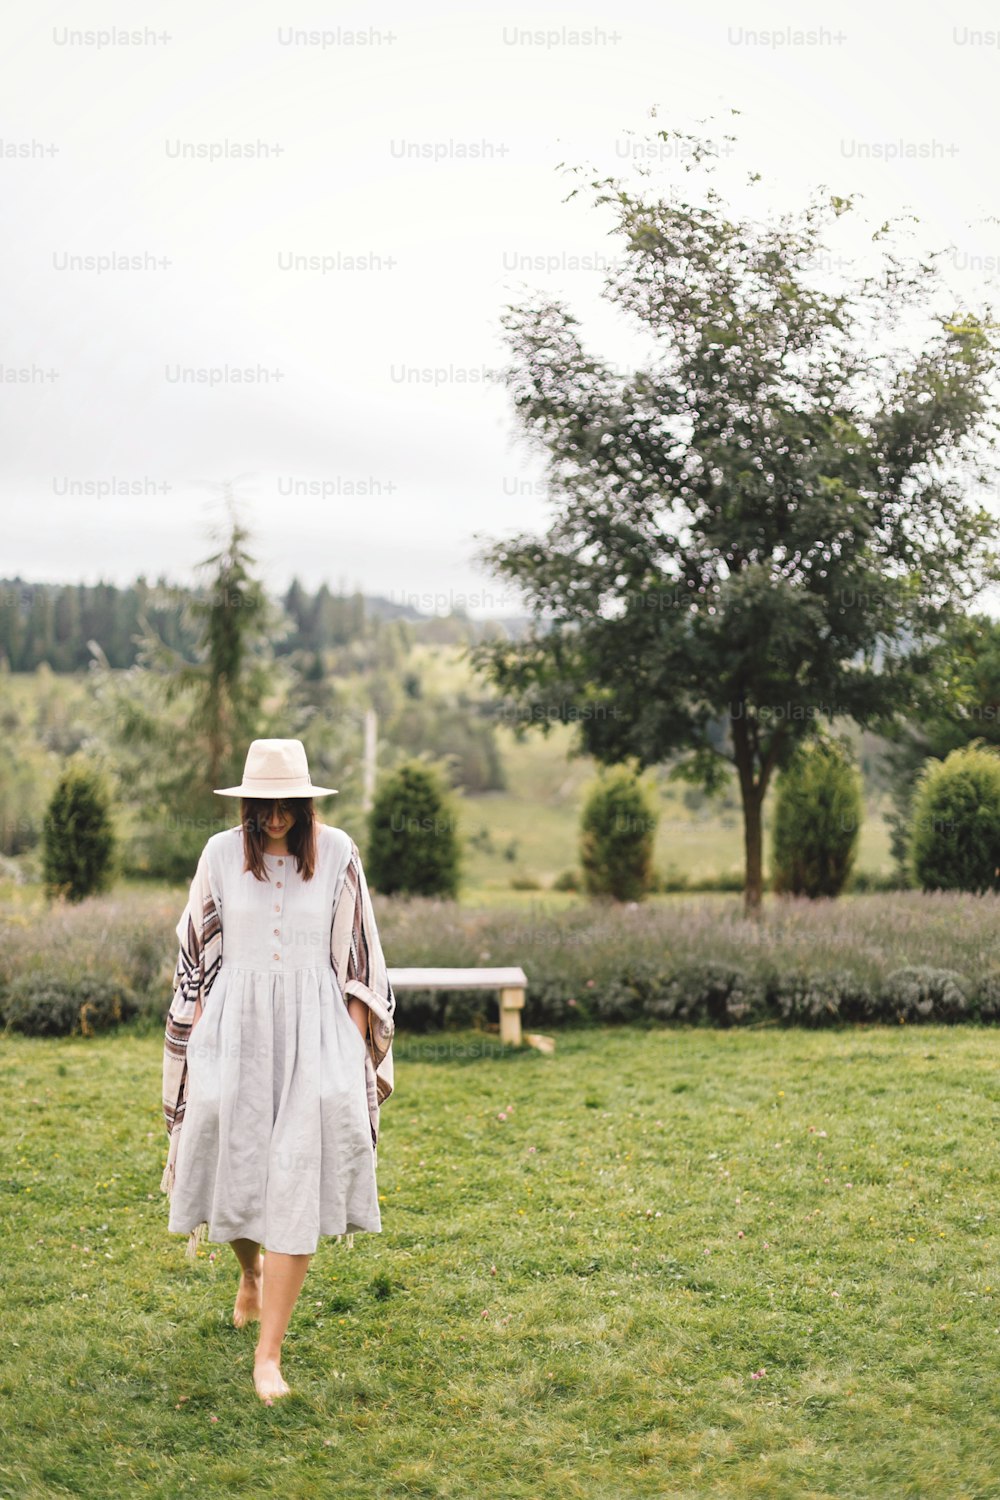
x,y
275,789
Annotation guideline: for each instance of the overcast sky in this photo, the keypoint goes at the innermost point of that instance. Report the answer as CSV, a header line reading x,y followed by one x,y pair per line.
x,y
430,148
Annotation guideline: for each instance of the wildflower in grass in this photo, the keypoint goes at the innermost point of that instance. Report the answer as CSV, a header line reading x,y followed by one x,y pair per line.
x,y
758,1374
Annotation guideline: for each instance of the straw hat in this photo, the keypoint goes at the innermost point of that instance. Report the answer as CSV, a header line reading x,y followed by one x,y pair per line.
x,y
276,769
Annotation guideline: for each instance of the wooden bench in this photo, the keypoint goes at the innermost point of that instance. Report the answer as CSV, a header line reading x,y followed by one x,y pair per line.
x,y
511,983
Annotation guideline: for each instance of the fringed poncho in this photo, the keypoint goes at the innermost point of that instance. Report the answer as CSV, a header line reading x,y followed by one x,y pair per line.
x,y
360,969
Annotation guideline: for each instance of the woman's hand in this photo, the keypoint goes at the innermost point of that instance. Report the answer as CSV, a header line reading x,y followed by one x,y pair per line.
x,y
358,1012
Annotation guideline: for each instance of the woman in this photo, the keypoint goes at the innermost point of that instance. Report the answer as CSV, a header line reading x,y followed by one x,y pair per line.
x,y
278,1046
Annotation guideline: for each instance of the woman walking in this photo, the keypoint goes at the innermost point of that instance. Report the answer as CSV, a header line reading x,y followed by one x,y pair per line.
x,y
278,1046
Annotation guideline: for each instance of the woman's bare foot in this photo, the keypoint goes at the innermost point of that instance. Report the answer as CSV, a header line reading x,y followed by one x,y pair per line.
x,y
249,1296
268,1380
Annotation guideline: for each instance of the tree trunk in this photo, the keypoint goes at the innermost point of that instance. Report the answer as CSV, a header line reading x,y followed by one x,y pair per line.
x,y
754,846
752,795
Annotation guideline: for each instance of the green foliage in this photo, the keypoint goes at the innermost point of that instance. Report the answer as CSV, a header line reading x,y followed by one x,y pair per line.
x,y
179,728
817,820
708,993
412,839
453,732
803,997
741,544
955,828
39,1006
961,706
78,836
922,993
617,828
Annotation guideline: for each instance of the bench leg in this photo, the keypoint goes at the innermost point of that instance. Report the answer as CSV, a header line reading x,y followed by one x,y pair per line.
x,y
511,1005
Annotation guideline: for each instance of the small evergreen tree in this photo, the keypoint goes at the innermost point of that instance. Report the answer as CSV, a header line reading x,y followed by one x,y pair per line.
x,y
817,820
78,839
617,828
955,831
178,728
412,840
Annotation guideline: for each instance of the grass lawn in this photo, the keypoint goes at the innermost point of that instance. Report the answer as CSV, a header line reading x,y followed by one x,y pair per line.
x,y
574,1300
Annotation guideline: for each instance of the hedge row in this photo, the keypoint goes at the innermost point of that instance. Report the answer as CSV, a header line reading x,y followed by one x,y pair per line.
x,y
878,958
723,995
705,994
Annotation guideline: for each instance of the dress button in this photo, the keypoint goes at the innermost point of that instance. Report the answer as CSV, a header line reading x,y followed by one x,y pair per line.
x,y
281,861
277,932
277,908
277,956
279,885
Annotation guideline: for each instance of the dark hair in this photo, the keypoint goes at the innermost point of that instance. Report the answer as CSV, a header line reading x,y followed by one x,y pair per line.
x,y
254,813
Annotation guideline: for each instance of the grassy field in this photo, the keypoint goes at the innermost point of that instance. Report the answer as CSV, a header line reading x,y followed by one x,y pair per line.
x,y
657,1263
537,817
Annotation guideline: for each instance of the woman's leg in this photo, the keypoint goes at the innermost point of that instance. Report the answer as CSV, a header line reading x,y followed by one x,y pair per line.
x,y
248,1295
282,1284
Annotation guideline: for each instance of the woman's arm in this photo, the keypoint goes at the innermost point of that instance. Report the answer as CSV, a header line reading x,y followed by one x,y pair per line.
x,y
359,964
359,1013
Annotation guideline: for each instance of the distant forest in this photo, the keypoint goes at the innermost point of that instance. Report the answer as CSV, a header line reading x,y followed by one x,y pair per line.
x,y
56,623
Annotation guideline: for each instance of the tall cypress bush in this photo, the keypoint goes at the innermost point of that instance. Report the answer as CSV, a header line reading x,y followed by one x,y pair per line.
x,y
78,842
617,829
955,827
817,820
412,837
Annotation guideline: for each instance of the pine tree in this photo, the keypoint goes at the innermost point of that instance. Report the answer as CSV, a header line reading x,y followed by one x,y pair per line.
x,y
78,838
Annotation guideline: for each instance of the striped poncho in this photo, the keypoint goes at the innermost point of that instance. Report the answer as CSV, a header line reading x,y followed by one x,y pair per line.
x,y
359,966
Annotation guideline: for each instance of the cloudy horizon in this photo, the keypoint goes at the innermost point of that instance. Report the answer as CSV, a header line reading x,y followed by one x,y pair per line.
x,y
275,249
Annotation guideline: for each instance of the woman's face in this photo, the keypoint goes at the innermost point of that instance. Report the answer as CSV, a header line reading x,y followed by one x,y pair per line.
x,y
276,820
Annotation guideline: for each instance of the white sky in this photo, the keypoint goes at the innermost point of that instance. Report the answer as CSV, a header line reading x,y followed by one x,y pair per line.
x,y
442,459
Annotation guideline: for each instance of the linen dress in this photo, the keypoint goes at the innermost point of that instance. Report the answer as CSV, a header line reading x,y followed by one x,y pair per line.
x,y
277,1141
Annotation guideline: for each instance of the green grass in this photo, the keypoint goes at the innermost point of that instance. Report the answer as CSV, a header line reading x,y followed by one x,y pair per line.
x,y
560,1303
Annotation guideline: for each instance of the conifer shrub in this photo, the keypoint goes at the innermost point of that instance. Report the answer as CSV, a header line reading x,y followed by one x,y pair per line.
x,y
617,829
954,840
413,846
817,820
78,840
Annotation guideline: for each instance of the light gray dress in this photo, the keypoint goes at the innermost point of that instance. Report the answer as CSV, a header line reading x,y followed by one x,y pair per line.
x,y
276,1140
